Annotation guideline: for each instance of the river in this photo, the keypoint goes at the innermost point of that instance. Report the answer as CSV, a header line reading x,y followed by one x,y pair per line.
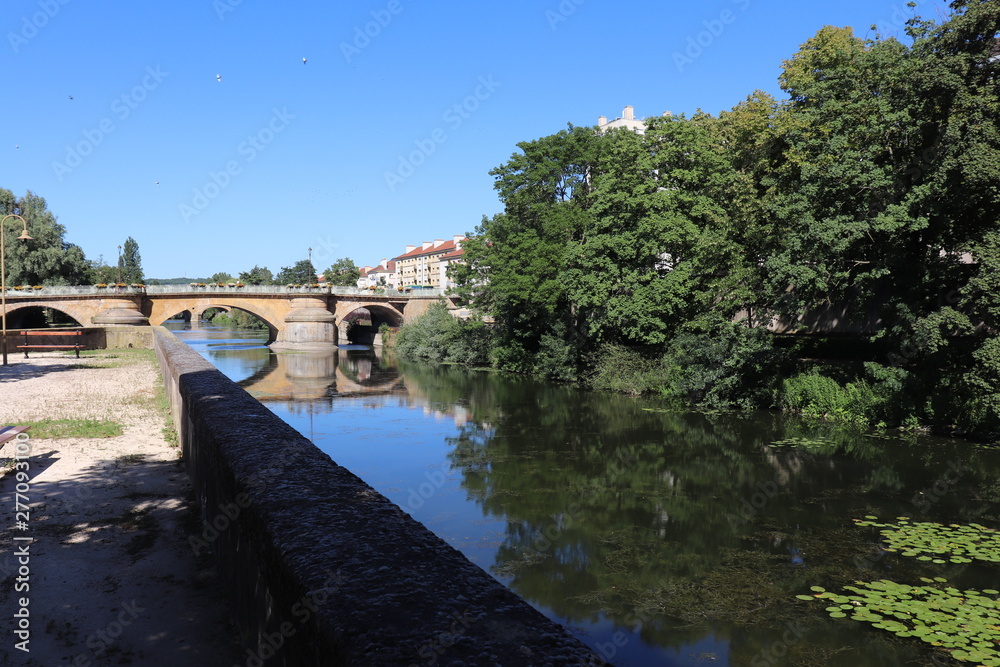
x,y
657,536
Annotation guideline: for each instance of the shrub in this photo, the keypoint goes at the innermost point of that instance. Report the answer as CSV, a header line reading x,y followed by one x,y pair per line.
x,y
885,395
722,365
628,370
438,336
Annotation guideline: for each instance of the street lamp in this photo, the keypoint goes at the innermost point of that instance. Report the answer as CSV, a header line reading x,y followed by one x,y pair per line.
x,y
3,275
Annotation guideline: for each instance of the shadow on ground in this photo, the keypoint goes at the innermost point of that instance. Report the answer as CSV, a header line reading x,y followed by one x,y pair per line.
x,y
111,576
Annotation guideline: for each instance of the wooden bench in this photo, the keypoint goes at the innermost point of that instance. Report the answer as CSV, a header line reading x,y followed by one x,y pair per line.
x,y
51,332
10,432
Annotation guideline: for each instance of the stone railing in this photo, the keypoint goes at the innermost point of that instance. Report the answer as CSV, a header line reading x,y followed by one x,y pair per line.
x,y
208,288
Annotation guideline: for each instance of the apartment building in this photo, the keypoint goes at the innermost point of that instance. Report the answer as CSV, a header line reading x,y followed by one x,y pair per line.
x,y
421,265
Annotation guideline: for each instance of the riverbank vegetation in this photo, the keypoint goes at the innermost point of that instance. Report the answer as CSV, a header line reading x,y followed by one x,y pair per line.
x,y
834,253
236,319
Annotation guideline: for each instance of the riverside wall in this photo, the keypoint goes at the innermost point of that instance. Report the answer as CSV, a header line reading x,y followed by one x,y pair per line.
x,y
323,570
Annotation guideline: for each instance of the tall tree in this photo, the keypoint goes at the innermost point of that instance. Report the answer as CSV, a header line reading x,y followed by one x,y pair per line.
x,y
131,262
342,272
47,259
99,272
258,275
518,262
302,273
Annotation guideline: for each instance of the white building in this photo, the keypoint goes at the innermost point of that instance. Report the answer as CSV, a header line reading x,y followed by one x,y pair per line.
x,y
383,274
627,120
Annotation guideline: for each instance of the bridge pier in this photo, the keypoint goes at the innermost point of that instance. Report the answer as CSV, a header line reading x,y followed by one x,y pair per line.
x,y
308,326
120,312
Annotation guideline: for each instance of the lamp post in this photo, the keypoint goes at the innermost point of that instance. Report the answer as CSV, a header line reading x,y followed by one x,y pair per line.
x,y
3,275
119,264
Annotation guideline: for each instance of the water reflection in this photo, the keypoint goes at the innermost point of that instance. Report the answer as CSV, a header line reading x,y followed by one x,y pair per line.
x,y
658,536
321,376
672,527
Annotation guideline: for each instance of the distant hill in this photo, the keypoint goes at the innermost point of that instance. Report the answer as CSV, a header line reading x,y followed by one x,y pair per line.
x,y
176,281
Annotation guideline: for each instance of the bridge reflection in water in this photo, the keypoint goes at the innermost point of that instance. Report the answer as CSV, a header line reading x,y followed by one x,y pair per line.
x,y
314,376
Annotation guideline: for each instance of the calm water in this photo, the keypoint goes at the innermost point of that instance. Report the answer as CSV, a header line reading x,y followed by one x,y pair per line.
x,y
658,537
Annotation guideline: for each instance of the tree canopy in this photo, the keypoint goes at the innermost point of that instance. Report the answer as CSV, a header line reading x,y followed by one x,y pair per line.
x,y
342,272
303,272
47,259
873,187
258,275
131,262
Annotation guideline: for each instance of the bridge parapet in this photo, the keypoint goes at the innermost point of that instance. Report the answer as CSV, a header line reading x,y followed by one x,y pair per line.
x,y
284,290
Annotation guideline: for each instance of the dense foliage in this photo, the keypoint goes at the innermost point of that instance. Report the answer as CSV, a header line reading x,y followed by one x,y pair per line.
x,y
131,262
258,275
47,259
303,272
864,203
342,272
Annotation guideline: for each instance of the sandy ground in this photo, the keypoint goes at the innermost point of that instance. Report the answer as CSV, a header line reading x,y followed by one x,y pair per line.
x,y
111,577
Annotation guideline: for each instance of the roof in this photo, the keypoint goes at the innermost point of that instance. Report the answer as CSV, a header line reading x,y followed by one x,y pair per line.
x,y
445,247
455,254
389,268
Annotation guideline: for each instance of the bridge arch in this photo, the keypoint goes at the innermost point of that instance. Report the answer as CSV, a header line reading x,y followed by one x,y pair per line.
x,y
359,323
17,312
199,307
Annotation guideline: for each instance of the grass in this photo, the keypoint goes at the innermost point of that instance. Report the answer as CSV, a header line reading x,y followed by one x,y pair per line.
x,y
154,399
116,358
74,428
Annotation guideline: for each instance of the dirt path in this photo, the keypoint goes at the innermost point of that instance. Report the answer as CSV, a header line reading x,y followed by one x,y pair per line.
x,y
111,578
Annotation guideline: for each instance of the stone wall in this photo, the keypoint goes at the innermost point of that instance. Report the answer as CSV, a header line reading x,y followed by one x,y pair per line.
x,y
322,569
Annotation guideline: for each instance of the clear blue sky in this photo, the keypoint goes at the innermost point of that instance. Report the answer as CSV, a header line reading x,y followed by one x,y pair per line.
x,y
300,152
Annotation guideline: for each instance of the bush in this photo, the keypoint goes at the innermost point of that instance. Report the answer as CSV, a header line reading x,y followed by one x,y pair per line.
x,y
438,336
722,365
239,319
628,371
885,396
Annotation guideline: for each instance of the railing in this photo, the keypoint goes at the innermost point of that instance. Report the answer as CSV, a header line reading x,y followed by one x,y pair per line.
x,y
337,290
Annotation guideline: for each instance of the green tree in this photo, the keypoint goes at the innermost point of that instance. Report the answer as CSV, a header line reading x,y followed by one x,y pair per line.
x,y
641,272
302,273
131,262
222,277
343,272
45,260
518,262
258,275
100,272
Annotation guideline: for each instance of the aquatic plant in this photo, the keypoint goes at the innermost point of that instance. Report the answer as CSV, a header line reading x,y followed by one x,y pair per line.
x,y
965,623
938,543
811,445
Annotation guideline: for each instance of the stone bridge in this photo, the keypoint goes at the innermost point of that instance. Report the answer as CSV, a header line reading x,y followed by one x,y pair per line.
x,y
297,317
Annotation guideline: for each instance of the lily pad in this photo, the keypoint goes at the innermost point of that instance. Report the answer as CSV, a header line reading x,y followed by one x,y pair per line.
x,y
965,623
